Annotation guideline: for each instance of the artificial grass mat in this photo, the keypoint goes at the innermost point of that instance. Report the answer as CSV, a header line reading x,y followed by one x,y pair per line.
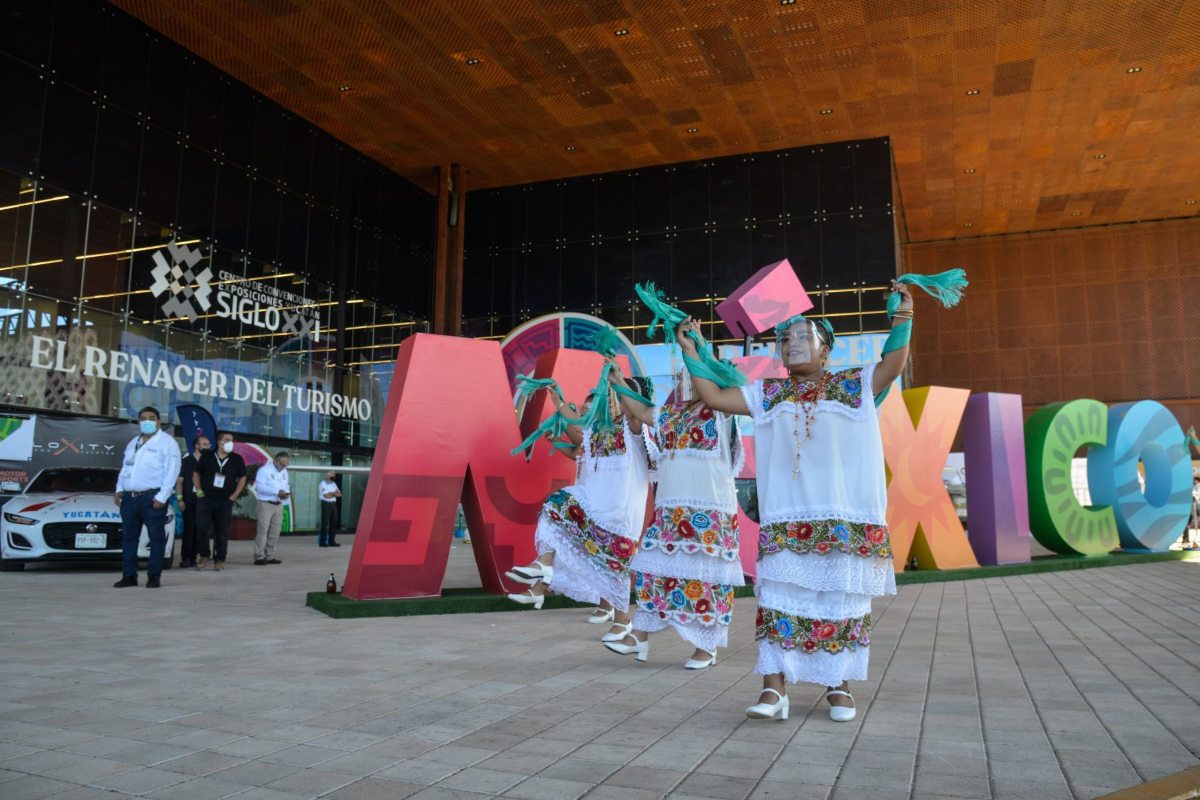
x,y
476,601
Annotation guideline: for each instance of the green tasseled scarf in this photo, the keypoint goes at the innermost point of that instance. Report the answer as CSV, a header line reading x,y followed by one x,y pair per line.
x,y
667,319
945,287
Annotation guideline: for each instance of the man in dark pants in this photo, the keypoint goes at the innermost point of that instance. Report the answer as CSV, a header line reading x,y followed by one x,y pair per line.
x,y
329,493
219,481
144,485
185,490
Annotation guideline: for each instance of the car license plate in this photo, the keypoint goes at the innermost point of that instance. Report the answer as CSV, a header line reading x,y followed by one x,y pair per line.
x,y
91,541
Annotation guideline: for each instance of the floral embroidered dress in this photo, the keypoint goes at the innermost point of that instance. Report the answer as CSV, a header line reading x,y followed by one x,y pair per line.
x,y
688,563
823,550
593,525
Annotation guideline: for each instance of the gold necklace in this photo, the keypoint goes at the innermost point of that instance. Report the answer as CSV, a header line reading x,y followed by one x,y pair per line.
x,y
809,407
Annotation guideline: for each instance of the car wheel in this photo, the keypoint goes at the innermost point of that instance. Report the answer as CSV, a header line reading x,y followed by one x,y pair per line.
x,y
8,565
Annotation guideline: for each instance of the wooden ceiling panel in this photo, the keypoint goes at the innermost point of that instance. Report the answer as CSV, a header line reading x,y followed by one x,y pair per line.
x,y
1004,117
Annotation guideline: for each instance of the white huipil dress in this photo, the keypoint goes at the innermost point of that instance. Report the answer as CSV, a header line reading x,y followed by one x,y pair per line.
x,y
593,526
824,550
688,564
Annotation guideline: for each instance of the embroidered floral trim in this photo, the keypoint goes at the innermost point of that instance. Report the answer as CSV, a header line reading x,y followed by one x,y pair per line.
x,y
681,428
684,600
604,444
825,536
685,529
844,388
808,635
608,550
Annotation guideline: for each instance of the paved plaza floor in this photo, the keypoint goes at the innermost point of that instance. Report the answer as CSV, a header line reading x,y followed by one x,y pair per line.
x,y
1056,685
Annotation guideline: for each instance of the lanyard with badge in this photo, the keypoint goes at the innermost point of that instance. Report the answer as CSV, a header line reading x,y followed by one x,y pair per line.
x,y
127,472
219,478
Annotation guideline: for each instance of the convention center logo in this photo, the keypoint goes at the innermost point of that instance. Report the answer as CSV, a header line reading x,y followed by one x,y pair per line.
x,y
187,290
189,293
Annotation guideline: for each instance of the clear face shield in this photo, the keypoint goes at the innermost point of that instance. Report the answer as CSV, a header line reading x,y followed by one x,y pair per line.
x,y
798,345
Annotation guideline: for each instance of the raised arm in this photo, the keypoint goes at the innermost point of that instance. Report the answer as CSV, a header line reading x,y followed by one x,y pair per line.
x,y
633,409
892,363
730,400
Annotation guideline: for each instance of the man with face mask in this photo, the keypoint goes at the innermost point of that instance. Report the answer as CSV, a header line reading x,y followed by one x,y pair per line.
x,y
144,487
185,491
329,493
273,489
219,481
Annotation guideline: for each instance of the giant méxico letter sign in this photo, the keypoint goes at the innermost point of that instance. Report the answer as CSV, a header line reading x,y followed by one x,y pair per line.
x,y
1145,431
918,428
997,491
449,427
1052,436
446,435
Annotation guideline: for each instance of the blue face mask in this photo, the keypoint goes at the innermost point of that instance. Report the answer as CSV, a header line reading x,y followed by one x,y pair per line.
x,y
147,426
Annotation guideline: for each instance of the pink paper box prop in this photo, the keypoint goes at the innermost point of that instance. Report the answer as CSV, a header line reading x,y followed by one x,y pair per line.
x,y
770,296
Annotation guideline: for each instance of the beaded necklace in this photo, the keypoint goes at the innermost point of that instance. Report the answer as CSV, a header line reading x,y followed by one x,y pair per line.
x,y
807,404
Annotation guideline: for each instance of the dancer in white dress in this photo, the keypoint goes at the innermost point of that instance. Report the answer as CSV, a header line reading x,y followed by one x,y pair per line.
x,y
687,566
824,550
588,533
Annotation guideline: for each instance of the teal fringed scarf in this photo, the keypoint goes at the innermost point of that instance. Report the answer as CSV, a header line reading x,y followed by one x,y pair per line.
x,y
667,318
945,287
599,417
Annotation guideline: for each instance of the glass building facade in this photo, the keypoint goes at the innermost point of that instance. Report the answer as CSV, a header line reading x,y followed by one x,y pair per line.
x,y
295,265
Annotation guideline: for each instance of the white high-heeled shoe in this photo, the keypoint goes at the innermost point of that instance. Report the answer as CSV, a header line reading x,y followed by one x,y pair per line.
x,y
616,637
841,713
532,573
605,616
528,599
640,651
692,663
777,710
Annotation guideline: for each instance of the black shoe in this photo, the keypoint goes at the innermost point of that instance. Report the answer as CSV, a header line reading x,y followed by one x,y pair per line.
x,y
334,544
126,580
187,564
274,561
152,583
322,544
258,562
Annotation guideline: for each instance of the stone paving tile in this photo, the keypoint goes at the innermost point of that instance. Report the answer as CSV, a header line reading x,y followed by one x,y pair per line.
x,y
375,789
547,789
1047,686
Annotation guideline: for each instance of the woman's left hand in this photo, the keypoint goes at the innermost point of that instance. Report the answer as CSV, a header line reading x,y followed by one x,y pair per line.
x,y
614,374
906,298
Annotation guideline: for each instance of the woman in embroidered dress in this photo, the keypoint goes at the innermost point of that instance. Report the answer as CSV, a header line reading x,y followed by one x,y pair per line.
x,y
587,533
824,549
688,565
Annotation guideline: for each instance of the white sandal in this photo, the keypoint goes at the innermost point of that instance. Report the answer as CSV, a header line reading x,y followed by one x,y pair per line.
x,y
528,598
640,649
777,710
692,663
626,629
841,713
532,573
605,616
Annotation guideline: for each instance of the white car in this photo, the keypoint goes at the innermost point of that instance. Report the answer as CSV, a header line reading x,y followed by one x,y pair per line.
x,y
68,514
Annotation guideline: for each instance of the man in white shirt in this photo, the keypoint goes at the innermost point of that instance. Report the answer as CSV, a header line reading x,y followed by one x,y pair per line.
x,y
271,486
144,487
329,493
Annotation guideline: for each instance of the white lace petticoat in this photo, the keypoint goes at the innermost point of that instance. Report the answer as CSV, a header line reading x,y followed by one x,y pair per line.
x,y
692,566
576,573
842,572
826,669
706,637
